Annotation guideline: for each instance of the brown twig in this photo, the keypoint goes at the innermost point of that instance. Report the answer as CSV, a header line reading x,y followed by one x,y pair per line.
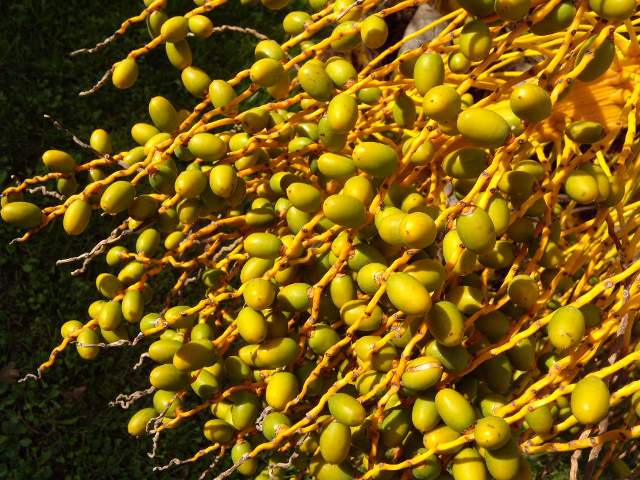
x,y
125,401
99,84
116,344
117,234
575,457
100,45
233,28
212,465
283,465
141,361
157,421
47,193
79,142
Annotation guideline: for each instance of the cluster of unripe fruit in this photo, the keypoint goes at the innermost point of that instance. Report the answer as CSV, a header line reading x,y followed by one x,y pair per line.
x,y
392,262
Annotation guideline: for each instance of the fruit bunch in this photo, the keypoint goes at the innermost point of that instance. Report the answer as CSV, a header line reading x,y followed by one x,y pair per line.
x,y
384,262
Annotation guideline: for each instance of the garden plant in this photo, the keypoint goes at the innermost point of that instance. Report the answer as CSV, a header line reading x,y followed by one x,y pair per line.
x,y
368,254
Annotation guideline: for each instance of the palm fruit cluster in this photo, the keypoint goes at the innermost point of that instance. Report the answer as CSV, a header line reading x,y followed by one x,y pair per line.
x,y
406,263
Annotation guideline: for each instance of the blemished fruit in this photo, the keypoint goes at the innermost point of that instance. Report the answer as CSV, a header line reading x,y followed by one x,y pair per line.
x,y
366,257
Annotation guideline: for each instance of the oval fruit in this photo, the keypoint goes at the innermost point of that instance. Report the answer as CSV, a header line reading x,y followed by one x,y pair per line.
x,y
454,409
566,327
282,387
467,465
483,127
375,158
21,214
335,442
428,72
446,323
346,409
475,40
407,294
476,230
590,400
492,432
422,373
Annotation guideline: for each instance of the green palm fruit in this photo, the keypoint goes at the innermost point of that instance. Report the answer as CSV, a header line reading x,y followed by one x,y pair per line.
x,y
468,464
458,62
522,355
346,409
221,93
273,423
273,353
556,20
179,317
616,10
436,438
282,387
540,419
479,8
381,360
166,402
200,26
341,71
125,73
585,131
344,210
523,291
465,163
492,432
354,311
446,323
369,95
590,400
501,256
483,127
294,23
530,102
503,463
266,72
342,113
322,338
207,146
407,294
422,373
179,54
218,431
259,293
86,341
442,103
175,29
168,377
454,409
475,40
476,230
251,325
374,32
163,114
138,422
346,36
601,61
512,10
315,81
304,196
395,427
566,328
